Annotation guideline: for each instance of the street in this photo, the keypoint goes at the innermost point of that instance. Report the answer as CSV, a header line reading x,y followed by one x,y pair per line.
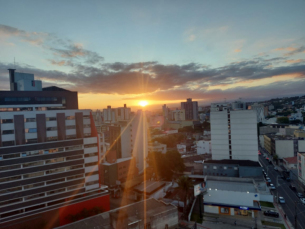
x,y
284,191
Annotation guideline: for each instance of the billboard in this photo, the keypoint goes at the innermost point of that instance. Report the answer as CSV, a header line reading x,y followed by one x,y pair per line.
x,y
199,188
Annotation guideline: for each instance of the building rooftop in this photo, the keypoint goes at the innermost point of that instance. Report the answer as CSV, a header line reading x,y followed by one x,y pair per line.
x,y
291,160
234,162
231,186
134,212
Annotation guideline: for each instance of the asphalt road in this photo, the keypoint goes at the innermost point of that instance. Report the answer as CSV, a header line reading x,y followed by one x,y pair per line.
x,y
284,191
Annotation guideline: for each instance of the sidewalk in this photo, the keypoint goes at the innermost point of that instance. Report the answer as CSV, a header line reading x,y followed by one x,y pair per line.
x,y
286,221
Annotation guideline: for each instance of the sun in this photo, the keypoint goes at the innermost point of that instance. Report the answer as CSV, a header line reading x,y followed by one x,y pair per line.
x,y
143,103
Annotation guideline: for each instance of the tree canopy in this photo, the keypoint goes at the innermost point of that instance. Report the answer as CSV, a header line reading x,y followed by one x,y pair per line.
x,y
165,165
282,120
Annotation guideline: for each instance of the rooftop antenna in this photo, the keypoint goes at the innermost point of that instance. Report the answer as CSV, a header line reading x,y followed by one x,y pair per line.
x,y
14,63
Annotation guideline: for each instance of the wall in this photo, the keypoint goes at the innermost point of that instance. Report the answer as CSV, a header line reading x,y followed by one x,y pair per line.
x,y
301,146
284,148
246,171
267,198
211,209
204,147
219,170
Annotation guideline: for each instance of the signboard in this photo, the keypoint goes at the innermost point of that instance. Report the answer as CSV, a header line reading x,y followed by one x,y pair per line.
x,y
199,188
243,208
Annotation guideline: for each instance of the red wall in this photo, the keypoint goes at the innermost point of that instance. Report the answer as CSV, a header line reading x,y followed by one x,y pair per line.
x,y
73,209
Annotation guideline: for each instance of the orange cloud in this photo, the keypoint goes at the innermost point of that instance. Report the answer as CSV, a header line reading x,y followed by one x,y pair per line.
x,y
295,61
237,50
285,49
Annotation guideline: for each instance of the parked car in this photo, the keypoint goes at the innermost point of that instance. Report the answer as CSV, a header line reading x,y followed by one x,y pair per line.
x,y
275,168
272,187
271,213
300,195
302,200
281,200
292,187
268,179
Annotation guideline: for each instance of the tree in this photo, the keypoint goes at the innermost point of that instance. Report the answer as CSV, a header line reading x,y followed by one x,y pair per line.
x,y
174,161
184,184
282,120
275,158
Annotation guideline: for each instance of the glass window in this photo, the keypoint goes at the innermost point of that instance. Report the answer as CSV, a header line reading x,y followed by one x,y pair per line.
x,y
75,187
10,179
14,155
54,160
11,201
37,174
90,145
7,132
30,120
52,128
92,173
30,164
73,136
92,183
74,167
91,154
70,127
74,157
51,119
49,139
34,196
7,121
31,130
15,189
56,191
8,143
73,147
58,170
91,164
56,181
31,141
71,117
33,185
75,177
10,167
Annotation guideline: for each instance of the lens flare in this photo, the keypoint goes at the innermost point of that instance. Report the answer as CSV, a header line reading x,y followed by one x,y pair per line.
x,y
143,103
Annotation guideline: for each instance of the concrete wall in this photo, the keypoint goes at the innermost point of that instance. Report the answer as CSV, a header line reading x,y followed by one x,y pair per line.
x,y
220,170
267,198
284,148
246,171
211,209
301,146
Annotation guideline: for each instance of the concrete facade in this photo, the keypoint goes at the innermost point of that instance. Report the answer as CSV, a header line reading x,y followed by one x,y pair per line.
x,y
301,167
204,147
234,135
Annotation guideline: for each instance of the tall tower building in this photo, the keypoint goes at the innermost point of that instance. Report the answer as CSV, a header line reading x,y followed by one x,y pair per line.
x,y
49,157
234,134
191,109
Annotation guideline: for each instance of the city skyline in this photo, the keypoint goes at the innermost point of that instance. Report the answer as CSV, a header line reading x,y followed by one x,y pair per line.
x,y
160,52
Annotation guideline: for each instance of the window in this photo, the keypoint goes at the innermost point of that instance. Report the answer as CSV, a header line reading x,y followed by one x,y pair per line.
x,y
92,183
56,191
91,173
71,117
225,167
75,187
3,121
51,119
31,130
75,177
70,127
91,164
14,155
10,179
30,164
51,128
10,167
33,185
56,170
11,201
214,167
30,120
60,159
56,181
205,167
32,153
49,139
8,143
34,196
7,132
86,116
73,136
73,147
91,154
74,157
90,145
31,141
74,167
235,168
37,174
15,189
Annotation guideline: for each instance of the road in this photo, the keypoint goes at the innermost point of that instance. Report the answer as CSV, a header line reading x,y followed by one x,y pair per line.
x,y
284,191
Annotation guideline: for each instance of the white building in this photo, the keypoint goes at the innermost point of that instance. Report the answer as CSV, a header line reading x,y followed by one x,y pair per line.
x,y
23,81
296,116
204,147
234,135
259,111
181,148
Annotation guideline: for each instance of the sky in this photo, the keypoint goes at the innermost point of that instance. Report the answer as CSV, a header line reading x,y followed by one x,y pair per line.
x,y
122,52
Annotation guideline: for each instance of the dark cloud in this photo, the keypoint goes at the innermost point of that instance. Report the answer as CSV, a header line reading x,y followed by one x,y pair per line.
x,y
296,51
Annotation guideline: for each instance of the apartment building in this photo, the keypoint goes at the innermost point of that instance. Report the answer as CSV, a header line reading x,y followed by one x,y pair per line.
x,y
233,133
301,167
113,115
191,109
49,158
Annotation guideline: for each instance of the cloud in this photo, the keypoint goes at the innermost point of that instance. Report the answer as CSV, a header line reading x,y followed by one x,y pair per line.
x,y
63,48
295,61
237,50
296,51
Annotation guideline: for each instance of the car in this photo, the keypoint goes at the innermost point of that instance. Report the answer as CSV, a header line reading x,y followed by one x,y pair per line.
x,y
300,195
275,168
271,213
268,179
302,200
263,170
281,200
292,187
272,187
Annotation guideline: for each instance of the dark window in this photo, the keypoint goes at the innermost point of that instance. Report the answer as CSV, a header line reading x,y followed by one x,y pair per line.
x,y
35,207
7,121
8,143
8,132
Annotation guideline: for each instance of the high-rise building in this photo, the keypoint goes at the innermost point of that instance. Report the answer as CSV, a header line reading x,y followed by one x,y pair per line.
x,y
113,115
259,108
234,135
191,109
49,157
